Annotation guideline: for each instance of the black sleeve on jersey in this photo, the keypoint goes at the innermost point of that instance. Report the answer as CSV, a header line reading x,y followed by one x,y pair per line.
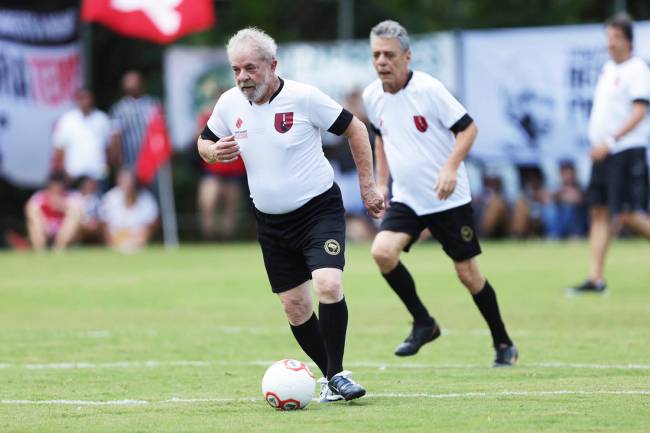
x,y
341,123
207,134
461,124
641,101
376,130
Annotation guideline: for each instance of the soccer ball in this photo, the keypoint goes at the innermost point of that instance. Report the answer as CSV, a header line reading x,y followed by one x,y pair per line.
x,y
288,385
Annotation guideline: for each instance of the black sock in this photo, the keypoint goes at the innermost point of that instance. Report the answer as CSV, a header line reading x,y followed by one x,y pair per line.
x,y
333,319
486,301
402,283
310,339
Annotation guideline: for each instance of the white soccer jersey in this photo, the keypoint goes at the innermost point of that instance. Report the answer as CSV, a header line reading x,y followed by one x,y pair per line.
x,y
414,124
618,87
280,142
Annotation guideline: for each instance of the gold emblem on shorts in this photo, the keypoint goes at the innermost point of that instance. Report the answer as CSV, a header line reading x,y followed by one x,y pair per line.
x,y
332,247
466,233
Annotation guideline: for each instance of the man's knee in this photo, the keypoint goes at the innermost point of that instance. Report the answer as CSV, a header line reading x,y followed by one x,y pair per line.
x,y
328,286
385,256
469,274
297,309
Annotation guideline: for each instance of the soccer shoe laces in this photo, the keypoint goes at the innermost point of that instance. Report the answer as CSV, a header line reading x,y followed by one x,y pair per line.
x,y
324,389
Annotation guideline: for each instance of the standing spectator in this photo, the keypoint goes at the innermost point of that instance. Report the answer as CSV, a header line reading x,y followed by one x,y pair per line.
x,y
129,213
221,185
130,116
618,131
81,138
358,225
53,215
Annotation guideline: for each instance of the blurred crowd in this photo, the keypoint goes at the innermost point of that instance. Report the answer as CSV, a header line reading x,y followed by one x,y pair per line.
x,y
93,194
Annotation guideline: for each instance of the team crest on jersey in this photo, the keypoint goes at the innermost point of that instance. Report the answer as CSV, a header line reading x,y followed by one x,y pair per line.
x,y
466,233
420,123
332,247
283,122
239,123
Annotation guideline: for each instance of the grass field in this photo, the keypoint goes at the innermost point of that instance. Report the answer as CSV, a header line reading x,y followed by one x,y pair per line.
x,y
95,341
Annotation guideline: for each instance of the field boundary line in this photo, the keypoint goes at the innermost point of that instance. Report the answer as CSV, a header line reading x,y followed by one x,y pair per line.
x,y
456,395
265,363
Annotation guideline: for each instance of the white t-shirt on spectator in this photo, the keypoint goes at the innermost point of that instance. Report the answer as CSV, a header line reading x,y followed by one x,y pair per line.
x,y
84,140
414,124
280,142
120,218
618,87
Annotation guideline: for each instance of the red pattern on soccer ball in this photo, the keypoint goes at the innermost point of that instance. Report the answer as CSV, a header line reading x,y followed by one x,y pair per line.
x,y
291,365
279,404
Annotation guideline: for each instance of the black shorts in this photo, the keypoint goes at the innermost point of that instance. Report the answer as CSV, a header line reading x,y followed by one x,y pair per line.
x,y
309,238
620,182
453,228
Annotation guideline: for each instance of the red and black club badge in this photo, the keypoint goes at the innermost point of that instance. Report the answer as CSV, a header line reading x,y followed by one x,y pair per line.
x,y
420,123
283,122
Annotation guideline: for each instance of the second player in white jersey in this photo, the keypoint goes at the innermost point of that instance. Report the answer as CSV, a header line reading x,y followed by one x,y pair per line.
x,y
417,129
423,135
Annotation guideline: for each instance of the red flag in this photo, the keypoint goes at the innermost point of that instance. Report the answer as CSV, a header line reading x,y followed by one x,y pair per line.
x,y
156,149
161,21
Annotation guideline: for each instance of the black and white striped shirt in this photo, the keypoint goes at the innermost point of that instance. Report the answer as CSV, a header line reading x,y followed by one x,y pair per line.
x,y
130,117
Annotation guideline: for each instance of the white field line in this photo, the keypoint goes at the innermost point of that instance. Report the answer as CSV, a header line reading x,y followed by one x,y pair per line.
x,y
458,395
265,363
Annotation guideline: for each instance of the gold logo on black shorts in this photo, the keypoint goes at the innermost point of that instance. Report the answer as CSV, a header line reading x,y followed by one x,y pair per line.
x,y
332,247
466,233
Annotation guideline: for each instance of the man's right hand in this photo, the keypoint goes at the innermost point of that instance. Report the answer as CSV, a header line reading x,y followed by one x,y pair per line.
x,y
225,150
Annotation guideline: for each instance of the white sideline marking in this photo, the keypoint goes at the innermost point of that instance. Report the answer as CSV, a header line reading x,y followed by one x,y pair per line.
x,y
264,363
116,364
511,394
175,400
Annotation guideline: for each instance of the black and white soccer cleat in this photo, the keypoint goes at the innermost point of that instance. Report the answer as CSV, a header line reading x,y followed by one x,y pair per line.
x,y
419,336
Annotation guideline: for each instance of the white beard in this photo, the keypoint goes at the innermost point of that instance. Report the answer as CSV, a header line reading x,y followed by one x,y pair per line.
x,y
260,91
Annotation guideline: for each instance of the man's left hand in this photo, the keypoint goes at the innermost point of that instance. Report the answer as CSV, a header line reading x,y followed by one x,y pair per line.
x,y
446,183
599,152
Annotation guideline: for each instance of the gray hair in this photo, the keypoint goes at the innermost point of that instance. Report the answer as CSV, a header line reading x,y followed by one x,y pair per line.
x,y
254,38
391,29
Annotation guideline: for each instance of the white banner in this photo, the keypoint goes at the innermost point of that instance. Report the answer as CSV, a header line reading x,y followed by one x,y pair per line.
x,y
192,74
530,90
39,74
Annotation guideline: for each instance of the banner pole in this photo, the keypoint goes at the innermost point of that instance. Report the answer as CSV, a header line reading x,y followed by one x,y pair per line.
x,y
167,207
87,49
